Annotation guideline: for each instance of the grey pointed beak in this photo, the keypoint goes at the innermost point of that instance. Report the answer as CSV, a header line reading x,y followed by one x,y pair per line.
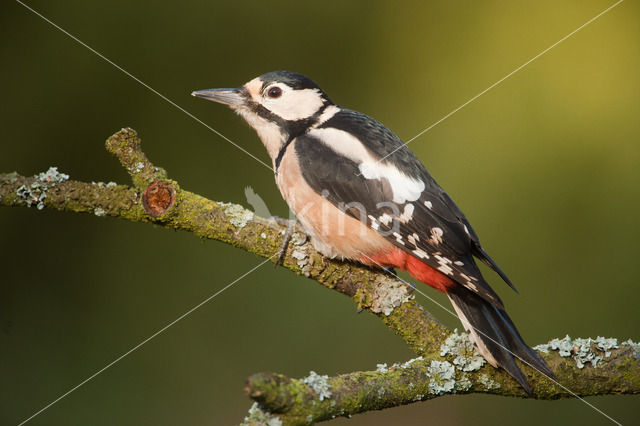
x,y
231,97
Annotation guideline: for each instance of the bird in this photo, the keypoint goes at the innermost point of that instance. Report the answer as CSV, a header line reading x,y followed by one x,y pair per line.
x,y
362,195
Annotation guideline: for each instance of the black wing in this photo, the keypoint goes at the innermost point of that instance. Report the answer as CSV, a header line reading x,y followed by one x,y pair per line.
x,y
436,231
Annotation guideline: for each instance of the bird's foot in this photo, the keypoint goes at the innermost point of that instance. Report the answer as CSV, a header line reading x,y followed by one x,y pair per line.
x,y
288,233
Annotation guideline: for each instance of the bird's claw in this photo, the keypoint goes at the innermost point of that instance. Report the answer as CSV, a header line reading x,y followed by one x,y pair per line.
x,y
288,233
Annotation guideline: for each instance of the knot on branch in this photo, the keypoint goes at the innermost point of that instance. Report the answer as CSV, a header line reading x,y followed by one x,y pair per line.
x,y
158,198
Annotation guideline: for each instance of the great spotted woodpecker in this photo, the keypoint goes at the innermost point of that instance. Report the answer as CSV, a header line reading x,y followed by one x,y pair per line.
x,y
361,195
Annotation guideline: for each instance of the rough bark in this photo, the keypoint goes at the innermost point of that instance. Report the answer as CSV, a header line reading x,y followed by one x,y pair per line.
x,y
446,361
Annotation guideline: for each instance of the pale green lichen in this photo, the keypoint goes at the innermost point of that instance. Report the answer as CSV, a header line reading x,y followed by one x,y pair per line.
x,y
52,176
443,377
300,254
36,192
488,383
298,239
10,177
258,416
104,185
466,357
634,346
463,384
99,212
388,295
238,215
581,350
319,384
408,363
137,168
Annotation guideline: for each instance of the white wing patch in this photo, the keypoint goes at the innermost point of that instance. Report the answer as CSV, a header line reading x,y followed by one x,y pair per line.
x,y
405,189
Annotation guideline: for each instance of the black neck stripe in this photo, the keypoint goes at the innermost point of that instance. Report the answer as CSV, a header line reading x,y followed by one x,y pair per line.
x,y
307,124
283,149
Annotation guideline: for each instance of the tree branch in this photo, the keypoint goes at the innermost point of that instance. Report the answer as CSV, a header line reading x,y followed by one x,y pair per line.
x,y
317,398
446,363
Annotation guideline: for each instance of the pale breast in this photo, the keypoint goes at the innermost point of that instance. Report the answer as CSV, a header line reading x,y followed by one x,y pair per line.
x,y
333,233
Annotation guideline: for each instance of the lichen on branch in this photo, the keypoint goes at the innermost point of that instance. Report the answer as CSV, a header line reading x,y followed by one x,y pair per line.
x,y
446,362
456,369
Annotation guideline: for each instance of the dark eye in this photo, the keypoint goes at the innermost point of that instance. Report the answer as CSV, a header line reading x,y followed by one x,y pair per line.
x,y
274,92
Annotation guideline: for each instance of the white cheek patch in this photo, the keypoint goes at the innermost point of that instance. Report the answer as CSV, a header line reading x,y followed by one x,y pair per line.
x,y
405,189
294,104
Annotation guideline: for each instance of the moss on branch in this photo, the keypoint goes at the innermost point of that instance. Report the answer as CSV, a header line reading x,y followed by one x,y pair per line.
x,y
298,402
446,361
372,290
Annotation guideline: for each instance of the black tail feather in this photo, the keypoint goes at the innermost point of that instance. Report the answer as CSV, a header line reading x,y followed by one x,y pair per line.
x,y
495,335
482,255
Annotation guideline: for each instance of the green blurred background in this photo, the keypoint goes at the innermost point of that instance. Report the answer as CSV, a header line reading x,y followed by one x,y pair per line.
x,y
545,165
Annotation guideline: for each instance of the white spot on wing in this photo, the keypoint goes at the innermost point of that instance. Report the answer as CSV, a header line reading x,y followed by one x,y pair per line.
x,y
420,253
445,269
407,214
374,223
436,236
444,265
385,219
398,238
428,204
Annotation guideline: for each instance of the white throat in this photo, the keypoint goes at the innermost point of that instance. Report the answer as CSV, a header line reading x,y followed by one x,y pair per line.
x,y
269,132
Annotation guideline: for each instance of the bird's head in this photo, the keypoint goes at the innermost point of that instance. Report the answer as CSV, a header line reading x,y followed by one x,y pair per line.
x,y
279,105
